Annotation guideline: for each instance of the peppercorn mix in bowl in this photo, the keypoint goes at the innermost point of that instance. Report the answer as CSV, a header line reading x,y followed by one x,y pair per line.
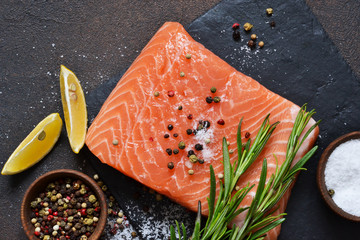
x,y
64,204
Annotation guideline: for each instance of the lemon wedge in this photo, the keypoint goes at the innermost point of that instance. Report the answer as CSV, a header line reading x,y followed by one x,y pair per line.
x,y
35,146
74,105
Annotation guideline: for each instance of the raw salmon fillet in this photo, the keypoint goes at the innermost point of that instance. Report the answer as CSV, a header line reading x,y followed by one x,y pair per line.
x,y
138,120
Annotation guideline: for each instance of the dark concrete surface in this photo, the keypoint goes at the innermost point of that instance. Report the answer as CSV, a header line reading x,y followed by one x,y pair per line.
x,y
96,39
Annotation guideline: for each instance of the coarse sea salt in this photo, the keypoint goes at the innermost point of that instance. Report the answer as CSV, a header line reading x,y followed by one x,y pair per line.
x,y
342,174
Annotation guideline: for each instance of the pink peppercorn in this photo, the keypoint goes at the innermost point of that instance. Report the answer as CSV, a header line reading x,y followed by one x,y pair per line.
x,y
171,93
221,122
235,26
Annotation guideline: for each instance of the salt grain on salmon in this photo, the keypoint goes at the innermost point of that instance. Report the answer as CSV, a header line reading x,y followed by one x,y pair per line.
x,y
132,116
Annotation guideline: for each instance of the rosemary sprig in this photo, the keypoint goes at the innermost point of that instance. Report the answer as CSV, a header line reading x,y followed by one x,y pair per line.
x,y
259,219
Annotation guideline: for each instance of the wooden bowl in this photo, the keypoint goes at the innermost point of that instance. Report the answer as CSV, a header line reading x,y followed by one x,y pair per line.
x,y
321,175
40,184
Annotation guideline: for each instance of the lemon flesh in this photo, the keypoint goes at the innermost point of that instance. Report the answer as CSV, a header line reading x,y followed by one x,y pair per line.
x,y
35,146
74,106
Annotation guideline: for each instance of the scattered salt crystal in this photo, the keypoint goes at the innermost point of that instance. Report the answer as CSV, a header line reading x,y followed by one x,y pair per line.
x,y
342,174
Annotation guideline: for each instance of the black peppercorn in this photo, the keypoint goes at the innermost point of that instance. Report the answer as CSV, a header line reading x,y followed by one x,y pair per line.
x,y
272,24
170,165
189,131
236,35
191,152
180,107
251,44
170,127
166,135
206,124
176,135
209,99
198,147
169,151
201,161
247,135
176,151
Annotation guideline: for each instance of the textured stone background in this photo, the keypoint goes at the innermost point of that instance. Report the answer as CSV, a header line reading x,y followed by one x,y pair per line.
x,y
96,39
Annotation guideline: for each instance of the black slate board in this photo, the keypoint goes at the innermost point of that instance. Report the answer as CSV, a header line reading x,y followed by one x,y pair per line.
x,y
300,63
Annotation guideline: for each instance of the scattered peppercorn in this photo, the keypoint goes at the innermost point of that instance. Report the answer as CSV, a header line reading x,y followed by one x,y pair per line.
x,y
217,99
189,131
133,234
261,44
198,147
166,135
171,93
193,158
213,89
220,176
251,44
206,124
176,151
190,116
248,26
231,151
176,135
156,94
236,35
201,161
272,24
191,152
191,172
207,141
253,37
180,107
181,145
331,192
209,99
182,74
269,11
221,122
170,127
235,26
247,135
169,151
170,165
188,56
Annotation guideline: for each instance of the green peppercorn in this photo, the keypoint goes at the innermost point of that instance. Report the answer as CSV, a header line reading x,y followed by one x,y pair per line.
x,y
331,192
180,107
104,188
100,183
48,194
217,99
88,221
90,211
213,89
182,145
33,204
111,204
51,186
182,74
70,219
111,198
188,56
156,94
92,199
83,191
53,198
193,158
